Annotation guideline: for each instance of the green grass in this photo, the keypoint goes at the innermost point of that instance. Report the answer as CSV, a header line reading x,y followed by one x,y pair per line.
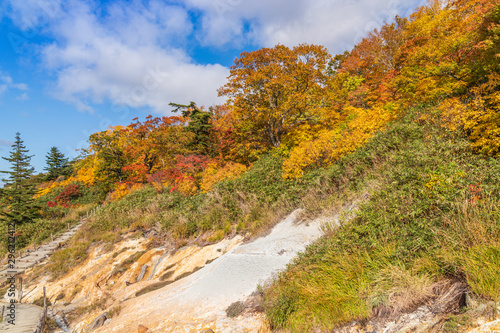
x,y
61,262
424,220
41,229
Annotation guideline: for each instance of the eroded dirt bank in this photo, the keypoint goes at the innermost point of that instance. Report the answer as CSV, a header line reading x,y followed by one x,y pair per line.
x,y
188,290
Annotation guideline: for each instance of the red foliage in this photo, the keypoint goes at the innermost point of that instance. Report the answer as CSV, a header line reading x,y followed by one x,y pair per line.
x,y
191,164
476,193
51,204
69,193
136,173
158,177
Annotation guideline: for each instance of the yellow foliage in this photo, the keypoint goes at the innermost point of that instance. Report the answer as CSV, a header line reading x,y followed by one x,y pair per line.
x,y
478,116
122,190
187,186
214,174
50,186
333,144
87,174
46,188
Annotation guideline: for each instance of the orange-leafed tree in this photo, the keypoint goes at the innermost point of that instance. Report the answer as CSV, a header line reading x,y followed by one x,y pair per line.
x,y
153,144
375,59
273,90
229,142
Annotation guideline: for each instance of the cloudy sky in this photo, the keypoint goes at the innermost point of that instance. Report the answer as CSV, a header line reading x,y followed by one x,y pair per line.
x,y
69,68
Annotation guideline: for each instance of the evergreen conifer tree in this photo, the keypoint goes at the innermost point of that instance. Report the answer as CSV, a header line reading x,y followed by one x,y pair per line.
x,y
199,125
57,164
18,191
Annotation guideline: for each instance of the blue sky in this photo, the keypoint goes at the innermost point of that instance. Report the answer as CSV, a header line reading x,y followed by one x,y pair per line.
x,y
69,68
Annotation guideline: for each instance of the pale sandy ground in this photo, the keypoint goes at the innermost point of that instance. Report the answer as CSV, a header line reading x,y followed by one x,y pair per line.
x,y
26,319
199,301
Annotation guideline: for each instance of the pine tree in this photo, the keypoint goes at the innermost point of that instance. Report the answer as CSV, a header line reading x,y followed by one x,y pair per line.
x,y
57,164
199,125
18,191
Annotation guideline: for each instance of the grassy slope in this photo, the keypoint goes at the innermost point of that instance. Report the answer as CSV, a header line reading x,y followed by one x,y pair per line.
x,y
435,214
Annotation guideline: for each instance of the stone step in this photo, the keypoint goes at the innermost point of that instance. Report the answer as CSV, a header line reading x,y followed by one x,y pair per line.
x,y
9,272
30,259
23,265
41,254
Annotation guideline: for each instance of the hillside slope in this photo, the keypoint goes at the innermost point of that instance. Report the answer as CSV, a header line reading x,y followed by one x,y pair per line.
x,y
423,247
432,224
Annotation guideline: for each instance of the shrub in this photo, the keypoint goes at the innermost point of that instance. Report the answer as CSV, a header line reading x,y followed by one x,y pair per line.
x,y
235,309
68,194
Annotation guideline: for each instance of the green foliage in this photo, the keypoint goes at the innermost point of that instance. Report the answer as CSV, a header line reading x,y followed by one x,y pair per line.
x,y
107,146
455,322
199,124
481,265
18,191
235,309
62,261
57,164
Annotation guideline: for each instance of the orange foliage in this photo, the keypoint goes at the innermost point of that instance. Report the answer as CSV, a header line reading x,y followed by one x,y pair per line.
x,y
121,190
331,145
273,90
314,108
214,174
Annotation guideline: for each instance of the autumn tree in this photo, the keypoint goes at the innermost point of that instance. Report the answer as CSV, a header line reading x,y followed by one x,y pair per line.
x,y
109,151
375,60
154,143
273,90
57,164
18,191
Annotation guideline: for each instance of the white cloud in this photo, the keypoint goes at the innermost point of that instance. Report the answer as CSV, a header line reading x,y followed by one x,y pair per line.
x,y
5,143
132,56
30,14
23,97
336,24
20,86
136,52
7,83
